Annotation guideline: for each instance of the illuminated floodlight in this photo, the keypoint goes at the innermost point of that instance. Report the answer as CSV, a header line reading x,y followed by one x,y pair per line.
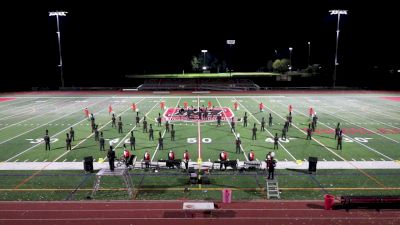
x,y
58,13
338,12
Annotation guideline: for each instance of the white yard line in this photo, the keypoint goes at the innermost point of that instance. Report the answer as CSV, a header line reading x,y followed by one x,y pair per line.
x,y
340,157
16,101
266,130
27,106
340,117
347,136
129,133
62,131
93,133
43,125
155,152
198,131
362,114
234,133
371,108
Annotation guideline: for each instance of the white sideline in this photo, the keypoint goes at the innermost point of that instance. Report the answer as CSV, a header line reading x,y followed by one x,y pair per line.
x,y
280,165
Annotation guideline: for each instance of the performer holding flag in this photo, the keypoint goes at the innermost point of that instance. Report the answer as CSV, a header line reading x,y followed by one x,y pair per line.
x,y
162,105
311,112
261,106
110,109
185,105
133,107
86,111
209,104
290,109
235,105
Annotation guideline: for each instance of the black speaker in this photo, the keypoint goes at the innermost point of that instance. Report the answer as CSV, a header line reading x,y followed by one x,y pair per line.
x,y
88,163
312,164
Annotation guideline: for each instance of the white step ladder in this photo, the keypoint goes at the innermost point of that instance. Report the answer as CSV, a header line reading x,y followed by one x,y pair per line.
x,y
272,189
123,173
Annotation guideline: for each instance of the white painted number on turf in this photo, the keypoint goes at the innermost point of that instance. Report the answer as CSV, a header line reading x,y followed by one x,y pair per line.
x,y
194,140
359,139
270,140
114,141
40,140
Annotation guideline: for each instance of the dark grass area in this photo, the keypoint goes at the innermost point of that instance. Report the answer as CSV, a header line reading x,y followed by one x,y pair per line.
x,y
174,184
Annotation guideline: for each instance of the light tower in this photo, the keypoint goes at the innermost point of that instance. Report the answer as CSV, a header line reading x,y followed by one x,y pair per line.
x,y
337,12
290,53
230,43
204,51
57,14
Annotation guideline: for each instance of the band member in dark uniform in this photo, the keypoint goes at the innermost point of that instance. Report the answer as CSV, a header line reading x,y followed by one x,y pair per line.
x,y
245,119
254,136
111,158
132,141
276,140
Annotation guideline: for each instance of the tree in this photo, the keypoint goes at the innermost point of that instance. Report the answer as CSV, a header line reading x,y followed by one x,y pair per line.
x,y
281,65
196,64
211,62
269,65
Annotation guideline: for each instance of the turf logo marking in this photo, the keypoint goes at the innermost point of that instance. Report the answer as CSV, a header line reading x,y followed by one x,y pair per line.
x,y
40,140
192,115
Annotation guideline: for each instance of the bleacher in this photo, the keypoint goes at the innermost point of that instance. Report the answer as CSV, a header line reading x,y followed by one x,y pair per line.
x,y
198,84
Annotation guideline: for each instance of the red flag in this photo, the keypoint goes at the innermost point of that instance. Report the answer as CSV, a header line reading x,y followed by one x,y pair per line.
x,y
185,105
133,107
261,106
311,111
162,104
235,105
209,104
86,112
290,108
110,109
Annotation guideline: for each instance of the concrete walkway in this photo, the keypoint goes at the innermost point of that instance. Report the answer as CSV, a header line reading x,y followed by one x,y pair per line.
x,y
279,165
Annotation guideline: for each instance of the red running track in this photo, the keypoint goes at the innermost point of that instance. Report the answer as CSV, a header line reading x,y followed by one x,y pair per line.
x,y
171,213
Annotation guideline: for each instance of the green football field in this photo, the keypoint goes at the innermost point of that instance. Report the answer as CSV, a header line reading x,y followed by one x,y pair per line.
x,y
370,121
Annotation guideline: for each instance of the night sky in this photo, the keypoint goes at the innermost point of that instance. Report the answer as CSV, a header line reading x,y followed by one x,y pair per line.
x,y
102,41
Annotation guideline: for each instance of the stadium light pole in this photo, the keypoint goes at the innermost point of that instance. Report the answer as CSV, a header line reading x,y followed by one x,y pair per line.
x,y
290,53
230,43
309,52
337,12
204,51
57,14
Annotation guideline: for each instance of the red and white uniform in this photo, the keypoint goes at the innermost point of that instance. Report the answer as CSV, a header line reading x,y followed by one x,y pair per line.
x,y
209,104
223,156
235,105
311,111
186,156
162,105
251,156
127,154
133,107
185,105
171,156
86,112
290,108
109,109
146,156
261,106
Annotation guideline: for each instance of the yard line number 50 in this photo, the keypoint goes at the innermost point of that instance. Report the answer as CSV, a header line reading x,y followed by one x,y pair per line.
x,y
203,140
